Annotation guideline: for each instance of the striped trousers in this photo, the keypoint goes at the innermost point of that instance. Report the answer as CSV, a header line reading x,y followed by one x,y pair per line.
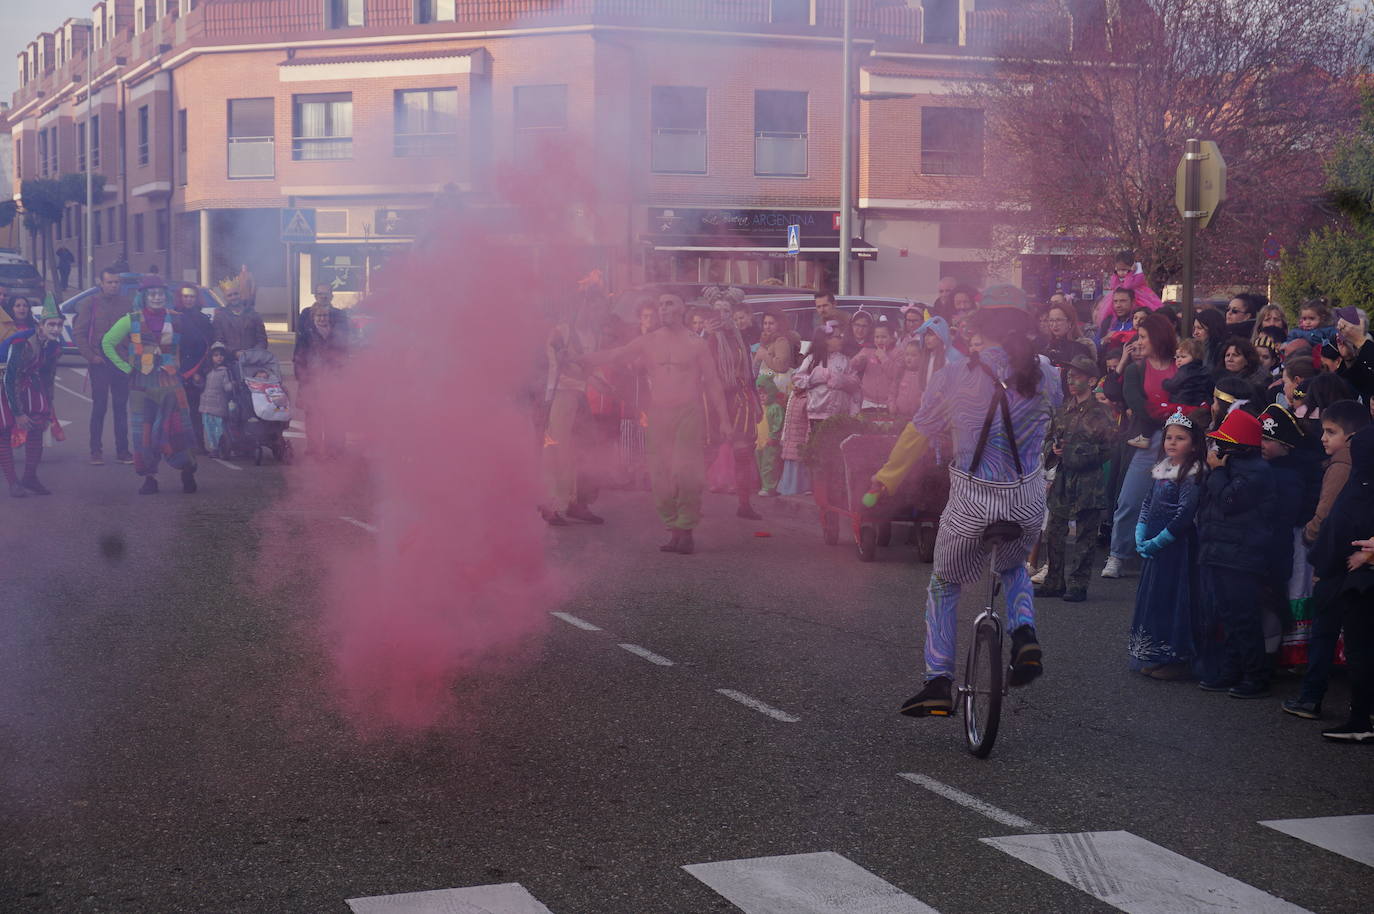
x,y
960,557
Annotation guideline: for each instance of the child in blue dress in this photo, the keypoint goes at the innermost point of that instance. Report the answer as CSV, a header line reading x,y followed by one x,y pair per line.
x,y
1163,639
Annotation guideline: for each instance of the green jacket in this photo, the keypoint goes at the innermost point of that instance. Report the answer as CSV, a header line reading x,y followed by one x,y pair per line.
x,y
1088,433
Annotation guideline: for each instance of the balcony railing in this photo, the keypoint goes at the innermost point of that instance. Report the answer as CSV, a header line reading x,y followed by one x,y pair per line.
x,y
678,151
962,162
252,157
321,148
426,144
780,155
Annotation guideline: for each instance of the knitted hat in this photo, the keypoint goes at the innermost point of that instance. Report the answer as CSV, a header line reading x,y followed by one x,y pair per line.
x,y
1278,424
1239,427
1004,296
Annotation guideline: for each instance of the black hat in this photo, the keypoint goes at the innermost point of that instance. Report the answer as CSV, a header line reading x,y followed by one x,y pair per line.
x,y
1278,424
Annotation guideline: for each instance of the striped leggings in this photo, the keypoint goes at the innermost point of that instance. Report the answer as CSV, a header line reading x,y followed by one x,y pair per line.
x,y
960,557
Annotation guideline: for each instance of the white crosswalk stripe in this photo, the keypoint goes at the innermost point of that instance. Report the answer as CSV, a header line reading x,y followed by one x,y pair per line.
x,y
505,898
1138,876
823,883
1349,836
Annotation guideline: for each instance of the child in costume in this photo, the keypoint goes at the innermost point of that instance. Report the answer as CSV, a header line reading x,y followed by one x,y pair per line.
x,y
1127,274
26,405
215,400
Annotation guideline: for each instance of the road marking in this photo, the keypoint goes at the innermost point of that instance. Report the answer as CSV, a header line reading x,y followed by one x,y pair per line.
x,y
759,706
80,371
506,898
1349,836
576,622
1138,876
965,799
225,463
74,393
647,654
824,883
361,524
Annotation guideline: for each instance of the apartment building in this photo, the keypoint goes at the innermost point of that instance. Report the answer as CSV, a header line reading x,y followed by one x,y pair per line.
x,y
704,128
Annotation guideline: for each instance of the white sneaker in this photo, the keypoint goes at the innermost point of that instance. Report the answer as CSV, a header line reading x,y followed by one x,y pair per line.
x,y
1113,567
1039,576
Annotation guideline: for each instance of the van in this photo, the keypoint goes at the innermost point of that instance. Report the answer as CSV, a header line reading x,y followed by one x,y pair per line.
x,y
19,277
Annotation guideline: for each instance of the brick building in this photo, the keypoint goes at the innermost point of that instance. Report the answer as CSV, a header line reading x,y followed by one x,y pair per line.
x,y
706,127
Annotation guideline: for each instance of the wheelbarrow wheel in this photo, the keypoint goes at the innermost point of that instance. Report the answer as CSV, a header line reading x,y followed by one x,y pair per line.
x,y
868,543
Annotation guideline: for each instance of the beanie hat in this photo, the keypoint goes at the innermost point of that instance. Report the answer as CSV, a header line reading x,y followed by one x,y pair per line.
x,y
1004,296
1278,423
1239,427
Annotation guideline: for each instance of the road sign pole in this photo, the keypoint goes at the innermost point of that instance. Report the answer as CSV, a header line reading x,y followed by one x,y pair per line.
x,y
1193,163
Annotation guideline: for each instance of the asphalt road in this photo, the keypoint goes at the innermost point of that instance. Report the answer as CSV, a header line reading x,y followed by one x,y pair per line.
x,y
165,747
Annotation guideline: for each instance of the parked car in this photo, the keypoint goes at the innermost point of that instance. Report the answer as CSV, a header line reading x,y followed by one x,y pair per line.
x,y
128,284
20,277
800,309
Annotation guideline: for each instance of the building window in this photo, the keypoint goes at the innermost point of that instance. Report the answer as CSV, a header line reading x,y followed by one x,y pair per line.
x,y
951,141
342,14
143,135
678,118
252,138
966,235
95,141
426,122
110,225
940,20
183,146
779,133
43,153
81,146
790,11
322,127
540,113
138,233
96,223
18,157
54,162
160,230
434,11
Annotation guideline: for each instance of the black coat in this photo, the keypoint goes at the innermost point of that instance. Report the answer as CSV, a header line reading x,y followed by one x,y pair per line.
x,y
197,333
1238,506
1352,513
1297,485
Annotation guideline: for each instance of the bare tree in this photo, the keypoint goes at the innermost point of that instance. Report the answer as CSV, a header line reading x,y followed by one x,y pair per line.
x,y
1085,138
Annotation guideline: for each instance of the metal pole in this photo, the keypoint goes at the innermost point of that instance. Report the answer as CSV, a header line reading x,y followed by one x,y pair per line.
x,y
846,148
90,145
1192,158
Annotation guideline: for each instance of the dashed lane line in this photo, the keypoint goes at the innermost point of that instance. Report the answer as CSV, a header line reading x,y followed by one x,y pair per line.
x,y
576,622
74,393
762,708
647,654
968,800
225,463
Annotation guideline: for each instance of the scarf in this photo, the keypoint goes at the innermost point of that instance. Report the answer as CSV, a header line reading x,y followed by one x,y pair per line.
x,y
154,350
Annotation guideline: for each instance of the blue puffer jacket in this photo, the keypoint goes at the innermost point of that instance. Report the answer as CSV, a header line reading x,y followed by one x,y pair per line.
x,y
1237,515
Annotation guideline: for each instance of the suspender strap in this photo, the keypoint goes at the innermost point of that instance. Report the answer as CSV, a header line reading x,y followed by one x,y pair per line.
x,y
999,399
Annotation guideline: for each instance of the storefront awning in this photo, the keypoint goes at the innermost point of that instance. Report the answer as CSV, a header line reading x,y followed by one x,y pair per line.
x,y
858,247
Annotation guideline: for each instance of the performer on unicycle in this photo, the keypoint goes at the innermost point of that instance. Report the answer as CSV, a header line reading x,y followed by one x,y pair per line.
x,y
997,406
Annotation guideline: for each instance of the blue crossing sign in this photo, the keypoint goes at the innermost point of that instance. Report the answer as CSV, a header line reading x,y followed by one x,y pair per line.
x,y
298,225
794,239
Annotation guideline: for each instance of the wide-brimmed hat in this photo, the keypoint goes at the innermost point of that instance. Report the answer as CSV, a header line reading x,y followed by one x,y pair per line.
x,y
1278,424
1239,427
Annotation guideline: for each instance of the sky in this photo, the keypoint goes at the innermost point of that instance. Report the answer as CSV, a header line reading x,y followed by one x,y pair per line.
x,y
20,20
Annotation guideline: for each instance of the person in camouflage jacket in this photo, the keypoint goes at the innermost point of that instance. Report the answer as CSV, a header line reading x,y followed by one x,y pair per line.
x,y
1080,440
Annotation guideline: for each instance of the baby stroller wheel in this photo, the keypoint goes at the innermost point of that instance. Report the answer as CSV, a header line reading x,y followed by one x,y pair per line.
x,y
885,534
257,456
868,548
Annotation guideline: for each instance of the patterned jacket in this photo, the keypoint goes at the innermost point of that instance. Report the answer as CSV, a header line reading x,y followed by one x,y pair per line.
x,y
1087,432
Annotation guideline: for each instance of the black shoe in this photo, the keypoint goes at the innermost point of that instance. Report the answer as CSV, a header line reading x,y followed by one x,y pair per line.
x,y
1025,656
934,700
18,491
552,518
1249,689
748,513
582,513
1045,590
149,486
1308,710
188,481
33,485
124,458
1076,595
673,542
1350,733
685,546
1220,684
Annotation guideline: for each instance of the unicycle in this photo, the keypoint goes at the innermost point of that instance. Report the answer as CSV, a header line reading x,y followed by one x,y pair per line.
x,y
986,671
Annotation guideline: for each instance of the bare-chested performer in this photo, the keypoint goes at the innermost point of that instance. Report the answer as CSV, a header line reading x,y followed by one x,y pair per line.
x,y
680,369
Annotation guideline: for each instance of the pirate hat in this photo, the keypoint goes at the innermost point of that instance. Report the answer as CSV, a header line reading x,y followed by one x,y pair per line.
x,y
1239,427
1278,424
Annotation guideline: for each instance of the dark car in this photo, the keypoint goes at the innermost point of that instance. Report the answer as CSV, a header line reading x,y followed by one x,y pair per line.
x,y
19,277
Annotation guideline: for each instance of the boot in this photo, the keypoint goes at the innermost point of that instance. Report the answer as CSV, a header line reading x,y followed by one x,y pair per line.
x,y
149,486
579,511
31,483
673,542
188,481
685,545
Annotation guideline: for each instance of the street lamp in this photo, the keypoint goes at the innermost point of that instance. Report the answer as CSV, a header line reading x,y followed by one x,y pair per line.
x,y
847,139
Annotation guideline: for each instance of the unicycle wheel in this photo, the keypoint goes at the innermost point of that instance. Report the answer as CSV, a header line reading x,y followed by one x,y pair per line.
x,y
982,693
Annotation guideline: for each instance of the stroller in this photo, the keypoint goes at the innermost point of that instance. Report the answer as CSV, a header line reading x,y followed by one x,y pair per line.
x,y
259,408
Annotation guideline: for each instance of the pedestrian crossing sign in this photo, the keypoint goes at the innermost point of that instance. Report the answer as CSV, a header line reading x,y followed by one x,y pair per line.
x,y
298,225
794,239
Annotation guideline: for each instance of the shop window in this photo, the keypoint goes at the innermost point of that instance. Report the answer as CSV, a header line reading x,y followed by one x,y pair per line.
x,y
779,133
323,127
434,11
252,149
541,114
951,141
966,235
426,122
678,117
343,14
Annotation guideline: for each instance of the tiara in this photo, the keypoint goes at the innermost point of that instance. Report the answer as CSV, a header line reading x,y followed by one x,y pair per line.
x,y
1179,419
